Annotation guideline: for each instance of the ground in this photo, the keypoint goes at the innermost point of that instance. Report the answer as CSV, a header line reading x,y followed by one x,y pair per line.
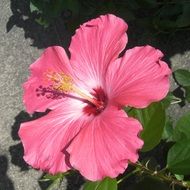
x,y
21,42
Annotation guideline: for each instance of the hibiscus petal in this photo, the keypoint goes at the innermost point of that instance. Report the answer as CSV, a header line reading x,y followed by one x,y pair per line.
x,y
54,59
105,145
96,44
45,139
138,78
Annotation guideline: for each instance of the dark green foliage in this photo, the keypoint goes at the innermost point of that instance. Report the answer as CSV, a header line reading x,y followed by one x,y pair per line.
x,y
163,16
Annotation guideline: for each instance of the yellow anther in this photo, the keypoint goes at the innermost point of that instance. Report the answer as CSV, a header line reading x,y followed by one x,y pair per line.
x,y
64,83
61,81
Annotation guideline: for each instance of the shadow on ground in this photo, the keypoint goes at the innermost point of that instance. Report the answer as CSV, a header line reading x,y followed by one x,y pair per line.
x,y
74,181
5,182
42,38
16,151
56,33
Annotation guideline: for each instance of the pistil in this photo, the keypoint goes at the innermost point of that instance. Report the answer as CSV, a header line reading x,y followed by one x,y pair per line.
x,y
64,83
97,103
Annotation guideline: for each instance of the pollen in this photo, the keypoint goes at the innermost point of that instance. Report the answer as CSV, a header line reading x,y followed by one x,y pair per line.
x,y
63,83
60,81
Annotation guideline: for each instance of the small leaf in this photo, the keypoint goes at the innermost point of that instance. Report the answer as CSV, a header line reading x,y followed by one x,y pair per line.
x,y
182,129
179,177
49,177
179,158
33,7
152,119
183,77
36,5
106,184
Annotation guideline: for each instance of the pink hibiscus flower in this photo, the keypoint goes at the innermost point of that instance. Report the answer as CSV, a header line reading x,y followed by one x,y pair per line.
x,y
86,128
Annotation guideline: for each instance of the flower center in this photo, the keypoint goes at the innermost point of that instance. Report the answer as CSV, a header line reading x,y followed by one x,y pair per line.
x,y
101,99
61,85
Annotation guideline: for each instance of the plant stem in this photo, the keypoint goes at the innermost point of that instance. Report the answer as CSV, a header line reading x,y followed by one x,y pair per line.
x,y
160,175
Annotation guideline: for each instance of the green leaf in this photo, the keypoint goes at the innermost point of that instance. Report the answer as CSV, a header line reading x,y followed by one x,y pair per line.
x,y
175,9
164,20
55,185
49,177
164,25
182,129
152,119
183,77
179,177
179,158
168,100
184,19
168,130
54,180
187,93
106,184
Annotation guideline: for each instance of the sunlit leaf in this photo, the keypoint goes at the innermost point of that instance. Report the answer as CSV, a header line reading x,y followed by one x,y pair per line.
x,y
179,177
106,184
152,119
183,77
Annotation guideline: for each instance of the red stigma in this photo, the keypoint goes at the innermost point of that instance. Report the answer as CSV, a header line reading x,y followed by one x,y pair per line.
x,y
101,101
